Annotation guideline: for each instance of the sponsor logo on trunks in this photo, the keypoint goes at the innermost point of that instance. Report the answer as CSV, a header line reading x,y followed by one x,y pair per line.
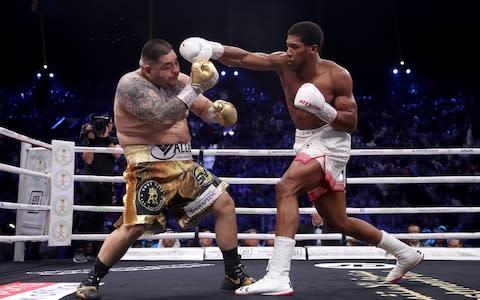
x,y
151,195
167,152
202,176
203,201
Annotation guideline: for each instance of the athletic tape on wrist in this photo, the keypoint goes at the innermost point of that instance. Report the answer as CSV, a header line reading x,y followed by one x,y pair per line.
x,y
211,116
327,113
188,95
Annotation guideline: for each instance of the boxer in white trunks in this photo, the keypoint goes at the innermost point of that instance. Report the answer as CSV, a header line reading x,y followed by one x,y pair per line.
x,y
320,101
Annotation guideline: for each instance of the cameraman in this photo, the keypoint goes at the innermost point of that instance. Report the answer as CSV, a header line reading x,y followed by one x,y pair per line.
x,y
96,133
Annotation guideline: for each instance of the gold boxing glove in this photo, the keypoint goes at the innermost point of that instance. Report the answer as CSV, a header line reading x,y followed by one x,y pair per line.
x,y
204,75
223,113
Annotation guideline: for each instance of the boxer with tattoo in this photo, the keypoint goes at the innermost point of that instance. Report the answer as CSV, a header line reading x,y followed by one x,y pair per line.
x,y
150,109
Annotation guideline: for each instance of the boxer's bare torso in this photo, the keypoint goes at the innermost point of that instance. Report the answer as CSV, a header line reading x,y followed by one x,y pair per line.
x,y
132,130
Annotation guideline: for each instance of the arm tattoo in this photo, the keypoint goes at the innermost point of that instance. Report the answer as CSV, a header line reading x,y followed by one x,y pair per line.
x,y
148,103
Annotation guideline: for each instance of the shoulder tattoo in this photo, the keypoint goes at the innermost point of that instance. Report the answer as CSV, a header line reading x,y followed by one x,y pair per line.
x,y
148,103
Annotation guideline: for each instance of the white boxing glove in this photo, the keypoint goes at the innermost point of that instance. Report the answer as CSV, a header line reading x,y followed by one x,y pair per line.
x,y
194,49
310,99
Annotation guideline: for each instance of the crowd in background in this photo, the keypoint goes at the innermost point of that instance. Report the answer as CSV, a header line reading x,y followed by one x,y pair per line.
x,y
408,116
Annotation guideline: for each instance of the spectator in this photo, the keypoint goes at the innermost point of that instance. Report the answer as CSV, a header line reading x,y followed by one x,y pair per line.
x,y
270,243
413,228
95,133
455,243
169,242
206,242
440,242
314,226
251,242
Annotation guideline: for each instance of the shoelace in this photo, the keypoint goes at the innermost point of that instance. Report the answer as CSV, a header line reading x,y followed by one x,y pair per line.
x,y
91,280
240,272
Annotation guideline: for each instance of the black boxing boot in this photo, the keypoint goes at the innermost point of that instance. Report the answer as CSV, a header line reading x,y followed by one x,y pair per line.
x,y
235,274
88,288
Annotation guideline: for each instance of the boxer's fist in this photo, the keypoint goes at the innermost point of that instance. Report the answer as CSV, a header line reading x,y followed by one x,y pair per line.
x,y
204,75
309,98
225,113
195,49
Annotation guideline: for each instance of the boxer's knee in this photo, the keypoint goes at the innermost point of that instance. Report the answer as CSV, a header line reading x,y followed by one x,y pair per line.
x,y
134,232
286,187
224,205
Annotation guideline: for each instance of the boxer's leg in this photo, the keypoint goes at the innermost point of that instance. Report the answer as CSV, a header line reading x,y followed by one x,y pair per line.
x,y
112,250
226,231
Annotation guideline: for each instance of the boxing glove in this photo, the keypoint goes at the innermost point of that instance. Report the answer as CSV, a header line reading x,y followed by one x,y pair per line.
x,y
224,113
195,49
203,76
310,99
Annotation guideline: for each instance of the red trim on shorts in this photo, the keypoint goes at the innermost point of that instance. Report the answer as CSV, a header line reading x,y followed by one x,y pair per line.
x,y
328,185
304,158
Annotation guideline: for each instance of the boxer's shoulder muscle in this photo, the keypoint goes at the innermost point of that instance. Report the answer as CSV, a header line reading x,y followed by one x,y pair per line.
x,y
148,103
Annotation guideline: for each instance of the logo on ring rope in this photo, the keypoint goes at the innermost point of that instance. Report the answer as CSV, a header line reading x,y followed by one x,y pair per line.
x,y
151,195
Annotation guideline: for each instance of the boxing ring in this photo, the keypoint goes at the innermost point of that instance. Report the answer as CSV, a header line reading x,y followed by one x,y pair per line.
x,y
332,272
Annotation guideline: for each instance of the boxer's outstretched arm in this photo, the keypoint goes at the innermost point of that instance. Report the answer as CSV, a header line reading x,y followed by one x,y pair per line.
x,y
238,57
196,48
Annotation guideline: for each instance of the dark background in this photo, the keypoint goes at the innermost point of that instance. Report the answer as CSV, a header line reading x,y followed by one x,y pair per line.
x,y
92,43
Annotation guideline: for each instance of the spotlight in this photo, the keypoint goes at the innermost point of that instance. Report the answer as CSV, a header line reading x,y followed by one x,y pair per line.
x,y
39,75
223,73
45,66
58,123
408,71
235,73
395,71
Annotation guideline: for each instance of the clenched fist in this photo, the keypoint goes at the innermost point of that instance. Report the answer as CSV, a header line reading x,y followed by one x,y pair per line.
x,y
204,75
225,113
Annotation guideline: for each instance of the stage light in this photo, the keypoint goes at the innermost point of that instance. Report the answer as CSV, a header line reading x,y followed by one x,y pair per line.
x,y
58,123
235,73
395,71
45,66
223,73
408,71
39,75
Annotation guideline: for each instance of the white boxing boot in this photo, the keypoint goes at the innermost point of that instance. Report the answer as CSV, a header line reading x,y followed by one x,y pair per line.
x,y
277,280
407,257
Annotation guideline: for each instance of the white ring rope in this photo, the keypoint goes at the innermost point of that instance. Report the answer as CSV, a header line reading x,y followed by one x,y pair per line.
x,y
271,211
291,152
266,211
350,180
23,138
269,181
17,170
244,236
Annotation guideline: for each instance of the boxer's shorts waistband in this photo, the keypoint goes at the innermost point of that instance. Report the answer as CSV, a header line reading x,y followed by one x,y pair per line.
x,y
309,132
150,153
